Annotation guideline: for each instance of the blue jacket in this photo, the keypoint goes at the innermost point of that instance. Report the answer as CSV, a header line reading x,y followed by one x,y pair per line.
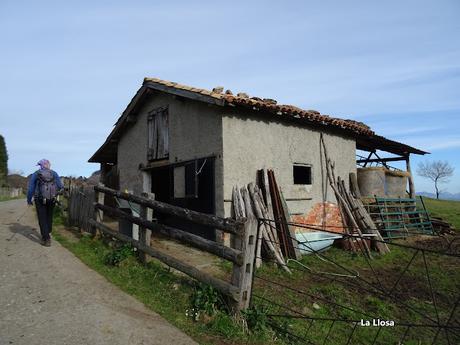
x,y
33,185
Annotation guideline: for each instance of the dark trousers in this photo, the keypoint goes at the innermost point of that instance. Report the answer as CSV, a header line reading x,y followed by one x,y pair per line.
x,y
45,217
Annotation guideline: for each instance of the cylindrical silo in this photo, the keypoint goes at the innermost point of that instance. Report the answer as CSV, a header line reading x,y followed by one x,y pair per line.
x,y
371,181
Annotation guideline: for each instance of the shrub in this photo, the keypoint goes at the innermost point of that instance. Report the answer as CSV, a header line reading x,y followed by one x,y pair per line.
x,y
116,256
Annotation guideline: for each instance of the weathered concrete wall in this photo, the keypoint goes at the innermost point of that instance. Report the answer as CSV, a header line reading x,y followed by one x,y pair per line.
x,y
195,131
241,145
251,144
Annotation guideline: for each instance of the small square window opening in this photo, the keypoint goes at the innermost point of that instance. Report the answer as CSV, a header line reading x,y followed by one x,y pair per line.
x,y
302,174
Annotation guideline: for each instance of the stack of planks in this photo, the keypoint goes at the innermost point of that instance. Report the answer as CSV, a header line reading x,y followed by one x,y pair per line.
x,y
274,242
281,216
353,213
442,227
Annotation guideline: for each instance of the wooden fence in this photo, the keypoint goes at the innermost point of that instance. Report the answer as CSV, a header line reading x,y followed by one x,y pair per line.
x,y
80,208
242,257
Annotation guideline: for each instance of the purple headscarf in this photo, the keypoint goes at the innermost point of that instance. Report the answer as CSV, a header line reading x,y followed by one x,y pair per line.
x,y
44,163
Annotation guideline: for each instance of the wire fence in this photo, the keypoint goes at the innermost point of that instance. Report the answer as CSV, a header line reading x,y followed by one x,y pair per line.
x,y
408,296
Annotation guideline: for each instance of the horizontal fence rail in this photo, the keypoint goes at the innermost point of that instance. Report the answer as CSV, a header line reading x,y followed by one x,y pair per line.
x,y
242,257
226,288
226,224
199,242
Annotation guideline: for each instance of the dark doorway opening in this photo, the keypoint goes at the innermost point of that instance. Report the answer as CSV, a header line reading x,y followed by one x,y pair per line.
x,y
161,183
199,193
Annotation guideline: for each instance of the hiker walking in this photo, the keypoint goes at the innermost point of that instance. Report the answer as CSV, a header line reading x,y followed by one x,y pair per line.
x,y
44,186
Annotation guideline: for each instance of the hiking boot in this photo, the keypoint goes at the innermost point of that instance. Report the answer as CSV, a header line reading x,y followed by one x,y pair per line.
x,y
47,243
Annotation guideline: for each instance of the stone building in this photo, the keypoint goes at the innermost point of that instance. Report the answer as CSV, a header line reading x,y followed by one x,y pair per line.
x,y
190,146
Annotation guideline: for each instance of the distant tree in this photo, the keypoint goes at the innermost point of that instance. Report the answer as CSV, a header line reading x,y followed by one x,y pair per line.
x,y
3,162
437,171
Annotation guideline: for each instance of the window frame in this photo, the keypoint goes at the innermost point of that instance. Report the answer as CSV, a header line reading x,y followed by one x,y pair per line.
x,y
302,165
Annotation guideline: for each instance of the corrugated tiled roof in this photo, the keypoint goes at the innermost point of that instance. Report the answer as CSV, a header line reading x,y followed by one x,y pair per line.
x,y
269,105
366,139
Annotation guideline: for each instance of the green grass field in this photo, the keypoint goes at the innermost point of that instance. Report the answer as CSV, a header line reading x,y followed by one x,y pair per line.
x,y
308,294
449,210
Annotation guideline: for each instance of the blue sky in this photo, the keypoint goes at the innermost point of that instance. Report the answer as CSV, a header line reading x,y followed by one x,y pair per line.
x,y
69,68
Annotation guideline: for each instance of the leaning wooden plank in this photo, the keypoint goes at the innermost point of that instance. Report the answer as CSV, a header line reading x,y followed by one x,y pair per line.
x,y
269,226
227,224
273,247
354,185
224,287
269,230
361,216
241,202
278,257
212,247
247,203
235,204
240,213
284,235
295,243
276,212
238,204
267,193
340,199
259,215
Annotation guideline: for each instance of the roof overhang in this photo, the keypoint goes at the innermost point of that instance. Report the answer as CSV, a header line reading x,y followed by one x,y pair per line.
x,y
107,153
377,142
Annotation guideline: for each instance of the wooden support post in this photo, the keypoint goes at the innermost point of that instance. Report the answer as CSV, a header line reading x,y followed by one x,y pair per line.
x,y
146,182
98,215
243,274
144,233
410,178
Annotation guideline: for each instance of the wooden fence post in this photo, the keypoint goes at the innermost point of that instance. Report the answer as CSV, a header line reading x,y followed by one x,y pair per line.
x,y
410,178
98,215
242,275
144,233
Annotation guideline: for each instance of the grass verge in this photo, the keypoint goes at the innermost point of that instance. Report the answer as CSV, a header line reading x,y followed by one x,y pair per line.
x,y
7,198
172,296
448,210
194,310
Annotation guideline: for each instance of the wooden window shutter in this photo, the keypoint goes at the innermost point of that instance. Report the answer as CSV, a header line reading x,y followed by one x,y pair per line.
x,y
158,134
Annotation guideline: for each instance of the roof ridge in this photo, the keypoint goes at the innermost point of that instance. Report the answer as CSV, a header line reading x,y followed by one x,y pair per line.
x,y
269,105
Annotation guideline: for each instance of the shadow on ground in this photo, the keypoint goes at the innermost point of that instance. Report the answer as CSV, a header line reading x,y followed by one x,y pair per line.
x,y
26,231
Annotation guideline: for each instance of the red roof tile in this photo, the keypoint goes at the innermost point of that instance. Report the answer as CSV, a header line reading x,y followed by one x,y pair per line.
x,y
269,105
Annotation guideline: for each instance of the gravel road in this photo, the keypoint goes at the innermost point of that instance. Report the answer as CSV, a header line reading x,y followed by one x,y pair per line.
x,y
48,296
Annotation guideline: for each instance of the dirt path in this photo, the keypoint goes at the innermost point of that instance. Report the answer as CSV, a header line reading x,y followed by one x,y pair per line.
x,y
48,296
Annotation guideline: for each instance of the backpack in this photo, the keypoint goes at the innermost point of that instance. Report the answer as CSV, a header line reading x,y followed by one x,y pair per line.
x,y
47,188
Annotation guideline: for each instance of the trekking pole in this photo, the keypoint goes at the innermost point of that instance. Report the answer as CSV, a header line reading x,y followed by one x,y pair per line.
x,y
23,214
